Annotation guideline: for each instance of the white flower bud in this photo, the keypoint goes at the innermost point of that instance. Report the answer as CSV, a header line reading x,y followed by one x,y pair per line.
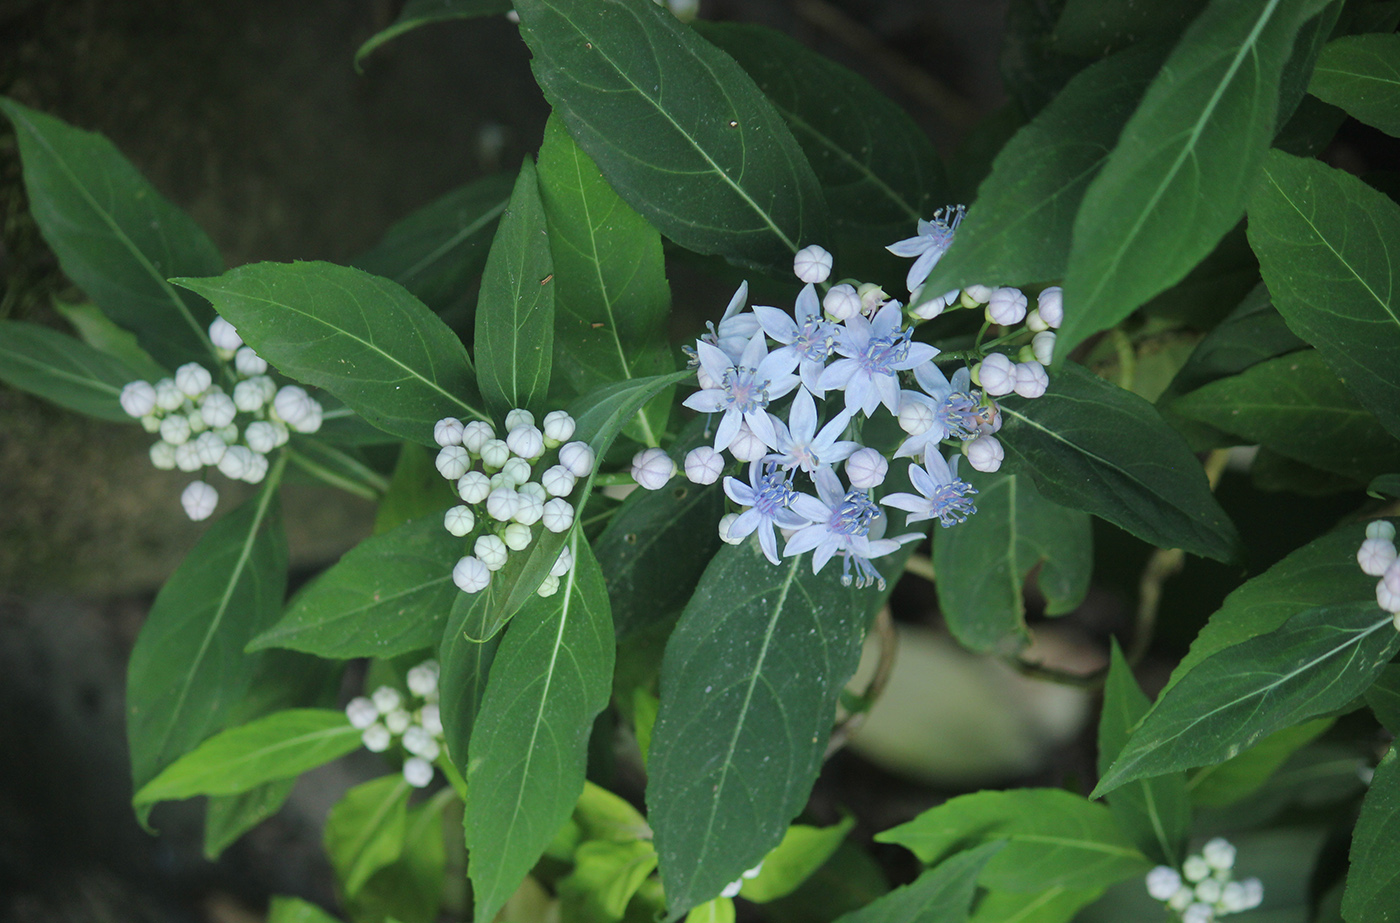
x,y
1162,882
476,434
491,551
218,409
292,404
558,515
473,487
376,738
1375,555
419,742
532,489
502,503
549,586
151,423
812,264
471,575
746,445
1050,304
516,471
1007,306
397,721
223,335
974,295
193,379
932,307
248,363
261,436
984,453
1195,868
459,520
841,302
564,563
996,374
168,396
703,465
866,468
431,718
211,449
1043,345
257,468
558,427
187,457
1380,528
530,510
1031,379
453,462
519,417
526,442
386,699
361,712
138,398
1242,895
557,481
1388,588
915,417
248,396
448,431
1182,898
417,771
236,463
517,536
311,422
1208,891
175,430
577,458
725,522
1035,323
199,500
652,468
1198,913
163,456
494,454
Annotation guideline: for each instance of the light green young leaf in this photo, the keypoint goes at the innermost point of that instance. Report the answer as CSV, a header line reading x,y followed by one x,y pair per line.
x,y
1373,881
62,369
939,895
417,13
1053,905
409,889
604,879
802,851
1361,74
365,831
295,910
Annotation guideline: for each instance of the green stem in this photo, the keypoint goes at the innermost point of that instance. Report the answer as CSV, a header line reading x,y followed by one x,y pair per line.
x,y
613,479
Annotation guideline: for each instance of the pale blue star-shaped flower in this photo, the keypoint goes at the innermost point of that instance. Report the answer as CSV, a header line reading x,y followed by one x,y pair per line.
x,y
736,326
800,445
933,240
845,530
744,388
876,351
956,408
941,496
811,338
772,504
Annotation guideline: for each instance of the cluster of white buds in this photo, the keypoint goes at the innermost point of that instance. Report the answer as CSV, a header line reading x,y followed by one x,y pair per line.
x,y
414,720
203,426
1204,889
1378,559
507,486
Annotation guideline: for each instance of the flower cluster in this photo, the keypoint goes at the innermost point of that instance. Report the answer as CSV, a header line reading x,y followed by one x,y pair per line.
x,y
1204,889
415,721
856,342
506,488
1377,558
203,426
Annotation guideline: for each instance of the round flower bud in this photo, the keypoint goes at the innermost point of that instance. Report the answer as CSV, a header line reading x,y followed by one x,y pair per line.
x,y
1050,304
195,418
652,468
1181,899
1162,882
210,448
218,409
187,457
703,465
376,738
292,404
453,462
1388,588
199,500
1208,891
1031,379
519,417
558,427
494,454
1195,868
549,586
812,264
1035,323
1043,345
516,471
151,423
397,721
502,503
257,468
431,718
533,489
841,302
471,575
168,396
476,434
193,379
361,712
459,520
417,771
746,446
1249,896
530,510
996,374
1380,528
1375,556
915,417
932,307
423,679
261,436
248,363
577,458
236,463
703,379
866,468
175,430
517,537
526,442
473,487
419,742
229,434
984,453
557,481
138,398
223,335
448,431
386,699
1198,913
248,396
564,563
725,522
491,551
976,294
163,456
1007,306
311,422
558,515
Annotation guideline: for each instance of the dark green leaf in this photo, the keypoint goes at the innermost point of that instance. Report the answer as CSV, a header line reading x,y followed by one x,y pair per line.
x,y
1387,485
1328,245
1032,64
1319,660
228,817
188,668
415,489
1178,179
364,339
1373,881
983,563
296,910
1384,698
939,895
1253,332
678,129
365,830
417,13
1053,905
388,595
1361,74
1053,838
1090,445
514,343
1092,27
466,666
610,293
115,235
101,333
802,851
1242,775
528,750
62,369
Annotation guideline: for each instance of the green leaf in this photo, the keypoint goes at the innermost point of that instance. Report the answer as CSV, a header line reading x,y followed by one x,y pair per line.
x,y
1244,774
1373,882
388,595
415,489
551,678
983,563
1155,812
100,332
466,666
601,815
365,831
438,252
1019,228
515,311
417,13
1387,485
115,235
364,339
605,877
802,851
279,746
228,817
1319,660
1384,698
410,888
1361,74
1053,905
678,129
1089,27
748,690
1178,178
610,293
1295,406
188,668
1327,245
939,895
62,369
1253,332
295,910
1090,445
719,910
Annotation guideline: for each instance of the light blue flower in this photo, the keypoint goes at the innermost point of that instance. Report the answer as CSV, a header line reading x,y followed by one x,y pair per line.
x,y
876,351
736,328
845,530
800,445
772,503
941,494
811,338
956,407
744,388
933,240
